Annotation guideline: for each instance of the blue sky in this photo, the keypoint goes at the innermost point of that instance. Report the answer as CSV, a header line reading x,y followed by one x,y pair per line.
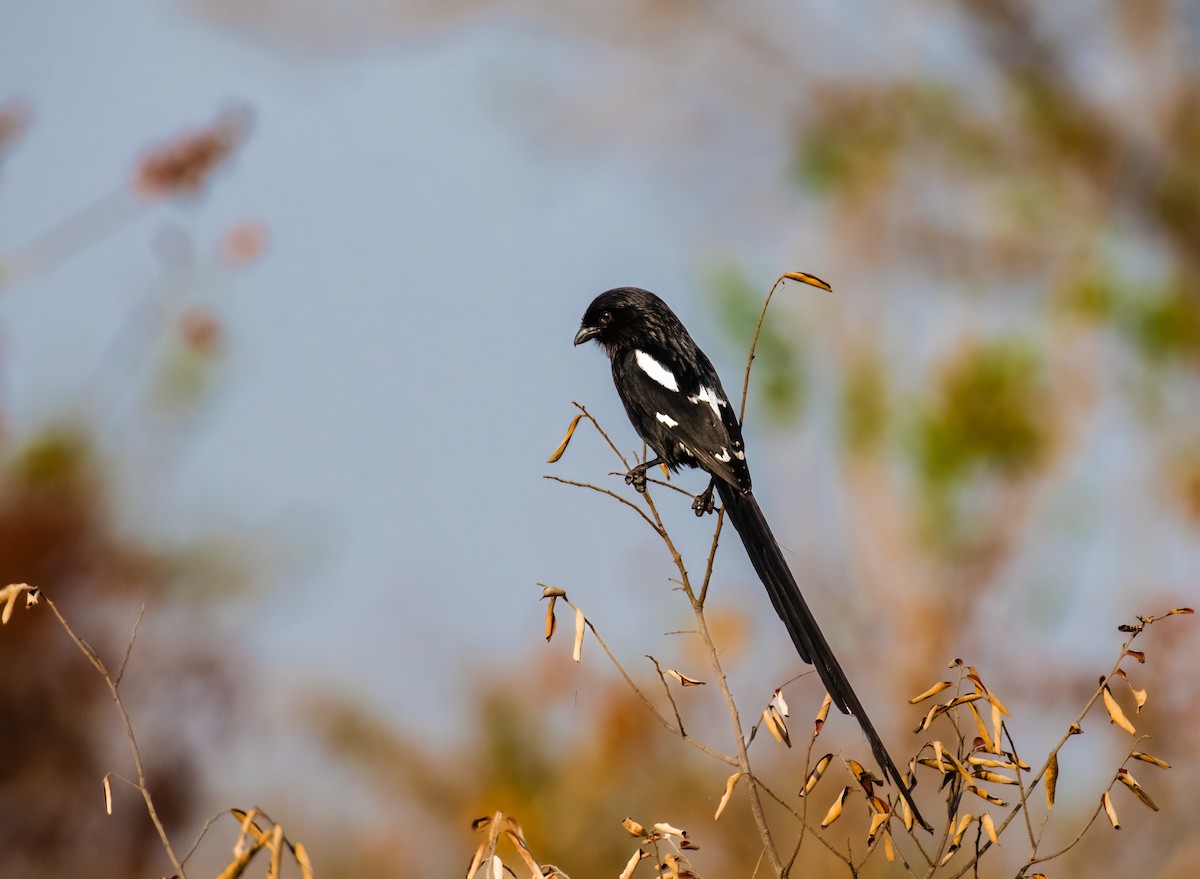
x,y
400,362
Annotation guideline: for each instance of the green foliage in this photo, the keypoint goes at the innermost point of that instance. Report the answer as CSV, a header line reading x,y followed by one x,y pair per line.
x,y
1164,325
986,416
59,454
1161,323
846,146
864,404
859,135
778,374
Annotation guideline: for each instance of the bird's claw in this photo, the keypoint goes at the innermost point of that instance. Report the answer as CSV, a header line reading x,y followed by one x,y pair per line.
x,y
703,503
637,478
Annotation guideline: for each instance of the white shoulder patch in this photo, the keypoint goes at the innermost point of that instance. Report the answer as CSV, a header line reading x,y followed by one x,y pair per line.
x,y
712,398
656,371
666,419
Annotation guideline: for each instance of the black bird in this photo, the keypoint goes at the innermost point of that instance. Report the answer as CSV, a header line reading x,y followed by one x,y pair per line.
x,y
675,400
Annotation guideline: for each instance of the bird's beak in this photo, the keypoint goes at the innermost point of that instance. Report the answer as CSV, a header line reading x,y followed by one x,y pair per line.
x,y
586,333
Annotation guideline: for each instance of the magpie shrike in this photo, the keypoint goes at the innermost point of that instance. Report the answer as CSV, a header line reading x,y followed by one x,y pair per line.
x,y
675,401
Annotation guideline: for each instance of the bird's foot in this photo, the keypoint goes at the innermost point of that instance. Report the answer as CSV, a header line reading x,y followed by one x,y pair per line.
x,y
703,503
637,478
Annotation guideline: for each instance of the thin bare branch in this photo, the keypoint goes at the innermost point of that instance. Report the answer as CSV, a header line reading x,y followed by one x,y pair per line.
x,y
670,696
611,494
129,646
87,651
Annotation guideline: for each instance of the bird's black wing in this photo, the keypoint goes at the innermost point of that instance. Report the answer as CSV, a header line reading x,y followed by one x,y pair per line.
x,y
682,412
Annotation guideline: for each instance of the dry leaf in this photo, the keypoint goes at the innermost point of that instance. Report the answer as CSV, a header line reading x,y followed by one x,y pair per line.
x,y
835,811
1115,712
815,775
551,622
939,751
9,596
994,777
562,447
476,860
928,718
1124,776
775,725
276,852
989,827
301,855
956,843
1106,802
107,796
877,821
1051,779
1137,654
638,854
780,702
670,867
988,743
667,830
984,795
1139,698
859,772
962,770
932,763
822,715
1146,758
580,622
247,819
633,828
991,762
1176,610
730,783
889,850
932,691
806,278
684,680
906,813
965,699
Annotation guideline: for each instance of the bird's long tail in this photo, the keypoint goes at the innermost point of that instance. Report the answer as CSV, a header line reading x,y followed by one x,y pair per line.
x,y
743,511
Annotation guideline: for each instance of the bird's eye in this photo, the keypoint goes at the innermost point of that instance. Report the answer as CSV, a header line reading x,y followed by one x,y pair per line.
x,y
605,318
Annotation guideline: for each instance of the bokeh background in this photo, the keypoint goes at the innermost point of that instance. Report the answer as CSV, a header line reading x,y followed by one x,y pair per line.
x,y
301,410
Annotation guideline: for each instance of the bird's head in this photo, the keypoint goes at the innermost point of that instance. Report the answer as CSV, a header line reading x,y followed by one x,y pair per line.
x,y
627,317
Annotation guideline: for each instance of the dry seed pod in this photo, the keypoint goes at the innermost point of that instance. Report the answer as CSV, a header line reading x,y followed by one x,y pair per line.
x,y
835,811
562,447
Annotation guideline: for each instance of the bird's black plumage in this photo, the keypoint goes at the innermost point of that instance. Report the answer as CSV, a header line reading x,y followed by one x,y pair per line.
x,y
674,399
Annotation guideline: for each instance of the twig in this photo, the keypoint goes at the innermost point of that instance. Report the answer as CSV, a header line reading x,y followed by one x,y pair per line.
x,y
1071,731
94,659
754,347
129,646
666,689
645,700
611,494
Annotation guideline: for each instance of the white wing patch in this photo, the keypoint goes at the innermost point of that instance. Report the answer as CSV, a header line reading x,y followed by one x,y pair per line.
x,y
656,371
666,419
712,398
724,456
